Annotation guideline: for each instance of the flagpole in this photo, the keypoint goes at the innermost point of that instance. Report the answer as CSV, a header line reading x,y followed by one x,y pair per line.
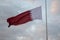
x,y
46,19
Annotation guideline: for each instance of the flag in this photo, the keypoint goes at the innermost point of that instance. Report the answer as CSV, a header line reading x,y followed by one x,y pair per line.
x,y
25,17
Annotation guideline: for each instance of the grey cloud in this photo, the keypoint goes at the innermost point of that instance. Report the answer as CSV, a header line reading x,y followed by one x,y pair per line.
x,y
8,8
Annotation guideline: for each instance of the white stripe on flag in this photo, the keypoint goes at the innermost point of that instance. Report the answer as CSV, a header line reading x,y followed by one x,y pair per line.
x,y
36,13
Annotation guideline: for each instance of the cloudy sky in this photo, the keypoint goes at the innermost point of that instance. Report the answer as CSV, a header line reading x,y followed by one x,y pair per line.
x,y
34,30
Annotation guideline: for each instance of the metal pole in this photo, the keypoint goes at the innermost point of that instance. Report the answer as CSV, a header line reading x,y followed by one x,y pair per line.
x,y
46,19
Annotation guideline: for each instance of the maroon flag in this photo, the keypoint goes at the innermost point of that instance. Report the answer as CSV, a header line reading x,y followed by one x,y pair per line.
x,y
25,17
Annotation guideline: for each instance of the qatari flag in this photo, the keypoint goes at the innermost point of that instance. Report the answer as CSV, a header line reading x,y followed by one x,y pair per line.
x,y
25,17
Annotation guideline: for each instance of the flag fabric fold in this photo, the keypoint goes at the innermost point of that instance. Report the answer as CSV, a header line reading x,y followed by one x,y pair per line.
x,y
20,19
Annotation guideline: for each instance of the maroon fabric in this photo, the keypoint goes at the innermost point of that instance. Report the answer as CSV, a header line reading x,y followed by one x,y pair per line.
x,y
20,19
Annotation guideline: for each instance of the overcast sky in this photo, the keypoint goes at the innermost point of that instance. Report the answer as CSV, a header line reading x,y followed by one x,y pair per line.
x,y
34,30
